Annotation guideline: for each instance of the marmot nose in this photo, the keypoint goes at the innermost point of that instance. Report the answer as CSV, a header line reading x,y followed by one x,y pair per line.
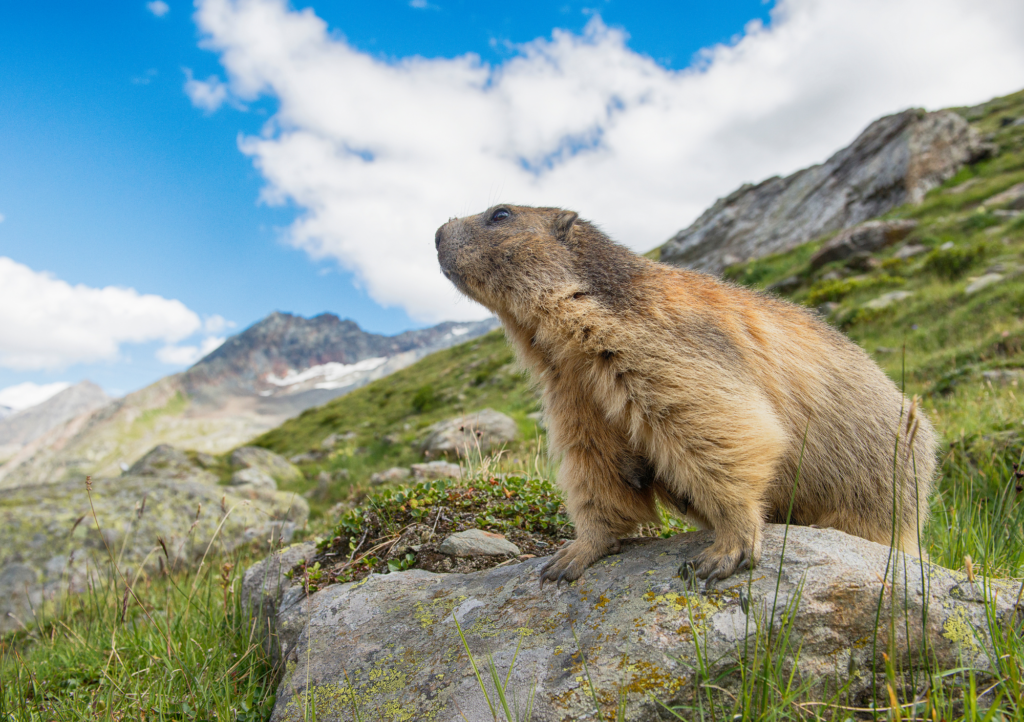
x,y
437,239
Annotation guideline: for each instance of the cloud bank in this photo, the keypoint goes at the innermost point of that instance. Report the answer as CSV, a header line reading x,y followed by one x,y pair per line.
x,y
377,154
46,323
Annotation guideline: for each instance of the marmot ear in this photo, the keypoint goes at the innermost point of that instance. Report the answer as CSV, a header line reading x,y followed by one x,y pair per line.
x,y
563,225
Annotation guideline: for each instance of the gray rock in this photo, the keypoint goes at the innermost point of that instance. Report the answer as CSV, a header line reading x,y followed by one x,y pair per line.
x,y
790,283
896,160
394,475
462,435
391,639
1012,198
253,477
268,594
51,529
981,282
309,457
166,462
19,596
1002,376
887,299
909,251
271,464
863,239
436,470
478,543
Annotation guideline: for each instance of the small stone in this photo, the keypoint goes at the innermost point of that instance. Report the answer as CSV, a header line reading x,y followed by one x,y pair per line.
x,y
981,282
329,441
436,470
1012,198
947,246
478,543
887,299
393,475
831,276
1002,376
909,251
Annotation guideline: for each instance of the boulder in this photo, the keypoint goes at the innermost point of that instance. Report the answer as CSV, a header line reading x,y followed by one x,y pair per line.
x,y
270,593
389,644
478,543
462,435
394,475
863,239
152,520
896,160
253,477
167,462
436,470
271,464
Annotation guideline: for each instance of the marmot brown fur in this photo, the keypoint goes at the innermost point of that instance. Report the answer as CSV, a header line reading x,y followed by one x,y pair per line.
x,y
664,383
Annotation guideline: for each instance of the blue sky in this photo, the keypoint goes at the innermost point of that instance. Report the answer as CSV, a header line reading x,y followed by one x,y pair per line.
x,y
117,175
112,177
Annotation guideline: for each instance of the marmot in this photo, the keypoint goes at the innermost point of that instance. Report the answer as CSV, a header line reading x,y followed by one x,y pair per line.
x,y
664,383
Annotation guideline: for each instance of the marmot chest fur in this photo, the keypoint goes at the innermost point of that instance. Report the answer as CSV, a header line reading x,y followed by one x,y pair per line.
x,y
666,384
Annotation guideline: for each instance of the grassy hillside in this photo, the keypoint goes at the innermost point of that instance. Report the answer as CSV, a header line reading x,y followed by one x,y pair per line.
x,y
951,336
382,424
962,352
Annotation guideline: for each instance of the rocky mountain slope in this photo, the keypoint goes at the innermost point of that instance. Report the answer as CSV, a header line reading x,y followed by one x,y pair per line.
x,y
896,160
254,382
22,427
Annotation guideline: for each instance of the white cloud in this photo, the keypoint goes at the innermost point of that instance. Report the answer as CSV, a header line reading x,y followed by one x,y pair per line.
x,y
188,355
207,94
217,324
378,154
48,323
21,396
1,217
158,8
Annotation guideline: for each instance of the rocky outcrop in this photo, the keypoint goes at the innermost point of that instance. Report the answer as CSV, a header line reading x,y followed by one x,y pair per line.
x,y
864,238
389,646
166,462
463,435
51,543
896,160
273,465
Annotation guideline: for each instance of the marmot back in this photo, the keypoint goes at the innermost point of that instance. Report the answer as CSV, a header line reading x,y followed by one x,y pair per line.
x,y
663,383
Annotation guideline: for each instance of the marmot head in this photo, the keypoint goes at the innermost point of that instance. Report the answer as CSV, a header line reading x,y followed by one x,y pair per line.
x,y
514,259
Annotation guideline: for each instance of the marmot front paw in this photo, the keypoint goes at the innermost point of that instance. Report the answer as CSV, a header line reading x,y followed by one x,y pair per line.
x,y
570,561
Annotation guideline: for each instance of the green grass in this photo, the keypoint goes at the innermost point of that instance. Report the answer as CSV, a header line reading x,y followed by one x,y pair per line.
x,y
177,646
142,645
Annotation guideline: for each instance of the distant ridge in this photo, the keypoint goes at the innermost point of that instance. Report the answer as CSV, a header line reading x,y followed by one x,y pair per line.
x,y
257,379
21,427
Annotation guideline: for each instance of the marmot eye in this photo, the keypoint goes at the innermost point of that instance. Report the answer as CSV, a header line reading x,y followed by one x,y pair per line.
x,y
500,214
